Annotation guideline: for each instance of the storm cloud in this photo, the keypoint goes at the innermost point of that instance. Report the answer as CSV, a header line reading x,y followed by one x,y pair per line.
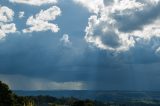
x,y
101,45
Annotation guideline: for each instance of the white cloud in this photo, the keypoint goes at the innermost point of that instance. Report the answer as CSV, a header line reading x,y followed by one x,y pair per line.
x,y
116,24
65,39
27,83
40,22
34,2
6,17
21,14
7,28
96,6
102,34
6,14
91,5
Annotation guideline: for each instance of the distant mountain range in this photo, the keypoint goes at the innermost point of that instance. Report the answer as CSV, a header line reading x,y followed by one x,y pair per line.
x,y
104,96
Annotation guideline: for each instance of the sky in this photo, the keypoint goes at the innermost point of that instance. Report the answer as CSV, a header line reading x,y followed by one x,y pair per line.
x,y
80,44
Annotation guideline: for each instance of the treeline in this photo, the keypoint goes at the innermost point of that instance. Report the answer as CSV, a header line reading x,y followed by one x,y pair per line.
x,y
70,101
8,98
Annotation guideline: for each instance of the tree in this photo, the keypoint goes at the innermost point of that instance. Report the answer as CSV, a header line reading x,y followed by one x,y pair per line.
x,y
6,96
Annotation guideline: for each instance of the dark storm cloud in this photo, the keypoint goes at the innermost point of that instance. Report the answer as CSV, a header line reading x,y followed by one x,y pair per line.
x,y
138,19
143,52
111,39
43,56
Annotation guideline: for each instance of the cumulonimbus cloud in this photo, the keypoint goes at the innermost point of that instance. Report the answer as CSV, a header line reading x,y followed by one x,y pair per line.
x,y
34,2
41,21
6,18
117,24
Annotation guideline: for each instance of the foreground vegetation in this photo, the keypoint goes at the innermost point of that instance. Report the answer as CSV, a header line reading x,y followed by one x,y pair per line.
x,y
8,98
